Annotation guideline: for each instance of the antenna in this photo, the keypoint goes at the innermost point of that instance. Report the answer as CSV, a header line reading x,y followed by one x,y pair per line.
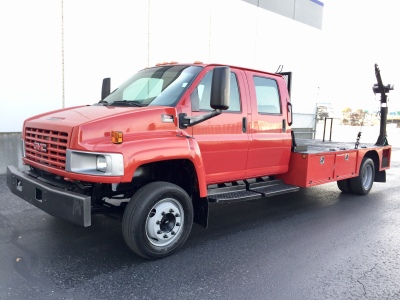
x,y
280,68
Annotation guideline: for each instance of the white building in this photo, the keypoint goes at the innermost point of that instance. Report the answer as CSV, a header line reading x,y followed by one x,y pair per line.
x,y
55,53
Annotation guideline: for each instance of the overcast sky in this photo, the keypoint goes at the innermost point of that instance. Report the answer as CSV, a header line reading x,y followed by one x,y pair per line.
x,y
357,34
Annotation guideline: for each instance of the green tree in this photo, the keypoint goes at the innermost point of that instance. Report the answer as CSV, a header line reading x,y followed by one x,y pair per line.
x,y
346,110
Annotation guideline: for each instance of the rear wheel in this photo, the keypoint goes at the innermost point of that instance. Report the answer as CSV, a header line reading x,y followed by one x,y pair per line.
x,y
344,186
157,220
362,184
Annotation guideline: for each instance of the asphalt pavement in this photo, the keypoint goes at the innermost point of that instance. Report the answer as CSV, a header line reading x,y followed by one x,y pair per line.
x,y
317,243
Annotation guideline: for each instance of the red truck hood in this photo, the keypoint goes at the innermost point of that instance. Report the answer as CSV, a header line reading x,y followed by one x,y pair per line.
x,y
91,125
71,117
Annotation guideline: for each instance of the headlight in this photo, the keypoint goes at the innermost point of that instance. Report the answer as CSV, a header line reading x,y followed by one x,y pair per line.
x,y
101,163
94,163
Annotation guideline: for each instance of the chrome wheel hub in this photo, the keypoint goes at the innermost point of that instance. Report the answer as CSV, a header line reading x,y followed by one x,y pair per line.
x,y
164,222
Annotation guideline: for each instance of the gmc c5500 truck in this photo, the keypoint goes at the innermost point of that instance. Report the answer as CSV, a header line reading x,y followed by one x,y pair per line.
x,y
174,138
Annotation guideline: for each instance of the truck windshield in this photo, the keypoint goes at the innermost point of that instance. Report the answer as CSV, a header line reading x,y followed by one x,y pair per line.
x,y
154,86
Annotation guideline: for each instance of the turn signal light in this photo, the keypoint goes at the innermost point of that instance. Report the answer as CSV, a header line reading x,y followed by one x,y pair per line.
x,y
116,137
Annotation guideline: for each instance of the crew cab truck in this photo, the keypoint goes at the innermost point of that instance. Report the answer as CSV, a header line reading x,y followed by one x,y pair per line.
x,y
174,138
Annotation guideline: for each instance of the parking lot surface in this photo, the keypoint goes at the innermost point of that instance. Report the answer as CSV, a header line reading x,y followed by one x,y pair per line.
x,y
317,243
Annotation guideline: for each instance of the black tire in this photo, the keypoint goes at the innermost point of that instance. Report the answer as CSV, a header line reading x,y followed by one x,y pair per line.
x,y
344,186
157,220
362,184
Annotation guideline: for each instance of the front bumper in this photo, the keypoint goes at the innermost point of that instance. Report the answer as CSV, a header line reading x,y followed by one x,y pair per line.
x,y
55,201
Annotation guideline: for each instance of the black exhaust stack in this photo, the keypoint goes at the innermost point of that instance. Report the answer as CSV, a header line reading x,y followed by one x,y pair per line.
x,y
383,90
105,88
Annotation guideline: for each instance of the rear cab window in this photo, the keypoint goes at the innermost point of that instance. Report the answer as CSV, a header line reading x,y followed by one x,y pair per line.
x,y
267,95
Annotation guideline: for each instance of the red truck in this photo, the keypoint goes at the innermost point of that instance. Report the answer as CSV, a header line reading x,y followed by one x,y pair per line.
x,y
174,138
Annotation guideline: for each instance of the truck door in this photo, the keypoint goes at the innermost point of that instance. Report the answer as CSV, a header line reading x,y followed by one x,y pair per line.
x,y
270,137
223,140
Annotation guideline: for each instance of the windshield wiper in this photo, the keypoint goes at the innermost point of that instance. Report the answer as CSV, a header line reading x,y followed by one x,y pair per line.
x,y
128,102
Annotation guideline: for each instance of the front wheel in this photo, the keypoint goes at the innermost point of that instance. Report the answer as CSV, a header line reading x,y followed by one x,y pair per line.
x,y
362,184
157,220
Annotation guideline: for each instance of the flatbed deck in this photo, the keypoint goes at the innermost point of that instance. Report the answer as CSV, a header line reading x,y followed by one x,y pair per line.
x,y
315,162
312,146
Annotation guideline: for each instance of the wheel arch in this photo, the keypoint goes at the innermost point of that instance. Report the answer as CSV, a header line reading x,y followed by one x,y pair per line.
x,y
159,151
372,154
181,172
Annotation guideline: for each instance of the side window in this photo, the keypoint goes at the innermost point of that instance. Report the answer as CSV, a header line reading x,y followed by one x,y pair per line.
x,y
267,95
200,97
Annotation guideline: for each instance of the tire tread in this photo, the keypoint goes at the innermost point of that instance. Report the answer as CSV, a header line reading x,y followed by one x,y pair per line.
x,y
133,216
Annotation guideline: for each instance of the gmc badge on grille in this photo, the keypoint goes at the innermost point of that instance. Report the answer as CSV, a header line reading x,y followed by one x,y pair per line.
x,y
40,147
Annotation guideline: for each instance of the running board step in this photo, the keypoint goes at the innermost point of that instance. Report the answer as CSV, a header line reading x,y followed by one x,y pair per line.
x,y
249,190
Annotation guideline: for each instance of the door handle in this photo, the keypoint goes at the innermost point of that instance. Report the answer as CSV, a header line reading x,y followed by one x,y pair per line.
x,y
283,125
290,110
244,124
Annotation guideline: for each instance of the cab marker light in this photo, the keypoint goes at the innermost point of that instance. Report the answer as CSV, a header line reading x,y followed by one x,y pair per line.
x,y
116,137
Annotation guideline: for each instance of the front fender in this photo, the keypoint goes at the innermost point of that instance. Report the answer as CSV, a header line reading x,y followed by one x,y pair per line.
x,y
199,166
137,153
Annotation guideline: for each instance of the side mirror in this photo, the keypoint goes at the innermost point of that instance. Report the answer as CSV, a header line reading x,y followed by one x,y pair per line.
x,y
219,98
220,88
105,88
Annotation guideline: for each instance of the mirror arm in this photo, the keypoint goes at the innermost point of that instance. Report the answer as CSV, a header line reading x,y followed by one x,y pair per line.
x,y
185,121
